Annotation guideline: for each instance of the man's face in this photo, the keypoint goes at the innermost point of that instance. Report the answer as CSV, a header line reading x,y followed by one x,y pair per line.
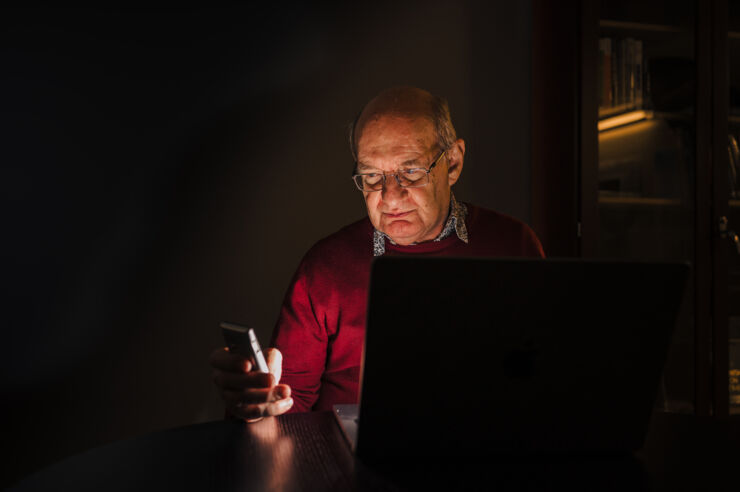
x,y
407,215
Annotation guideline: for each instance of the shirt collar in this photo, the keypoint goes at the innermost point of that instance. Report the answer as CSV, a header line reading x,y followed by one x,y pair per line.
x,y
455,222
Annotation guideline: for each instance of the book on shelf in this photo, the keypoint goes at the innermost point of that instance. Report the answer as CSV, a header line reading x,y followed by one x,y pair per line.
x,y
605,73
621,75
733,151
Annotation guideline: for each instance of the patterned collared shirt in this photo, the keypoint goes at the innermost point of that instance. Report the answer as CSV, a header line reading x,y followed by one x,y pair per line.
x,y
455,222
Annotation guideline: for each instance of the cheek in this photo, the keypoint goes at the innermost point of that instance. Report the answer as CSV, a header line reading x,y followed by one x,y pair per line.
x,y
424,198
429,206
371,202
438,188
441,195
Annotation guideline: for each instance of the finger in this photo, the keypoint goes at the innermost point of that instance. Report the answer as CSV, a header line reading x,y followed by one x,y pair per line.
x,y
248,396
278,407
279,392
224,360
251,396
234,381
252,412
275,363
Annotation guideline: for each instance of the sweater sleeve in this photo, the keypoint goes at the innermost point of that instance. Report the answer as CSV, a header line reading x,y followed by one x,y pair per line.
x,y
531,245
302,339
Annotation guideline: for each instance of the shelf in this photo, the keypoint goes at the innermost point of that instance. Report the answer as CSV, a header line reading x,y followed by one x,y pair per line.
x,y
610,112
639,200
638,26
733,35
734,203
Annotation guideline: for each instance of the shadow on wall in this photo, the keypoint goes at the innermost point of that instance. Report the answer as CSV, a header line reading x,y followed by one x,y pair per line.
x,y
165,170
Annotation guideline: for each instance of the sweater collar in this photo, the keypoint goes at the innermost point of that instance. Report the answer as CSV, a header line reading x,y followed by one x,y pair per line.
x,y
455,223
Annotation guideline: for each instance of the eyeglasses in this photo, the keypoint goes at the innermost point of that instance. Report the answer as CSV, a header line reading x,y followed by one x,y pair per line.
x,y
415,177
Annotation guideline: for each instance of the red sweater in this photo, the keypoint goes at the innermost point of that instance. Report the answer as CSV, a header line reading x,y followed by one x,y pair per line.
x,y
322,322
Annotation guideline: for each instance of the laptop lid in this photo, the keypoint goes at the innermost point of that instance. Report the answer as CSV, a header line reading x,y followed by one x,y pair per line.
x,y
467,356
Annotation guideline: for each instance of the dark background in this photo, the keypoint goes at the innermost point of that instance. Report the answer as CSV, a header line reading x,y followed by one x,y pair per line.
x,y
163,170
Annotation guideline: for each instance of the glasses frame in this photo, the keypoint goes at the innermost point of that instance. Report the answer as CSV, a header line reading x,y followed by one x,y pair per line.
x,y
395,175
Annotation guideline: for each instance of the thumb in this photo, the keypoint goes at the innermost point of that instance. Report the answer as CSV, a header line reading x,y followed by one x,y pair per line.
x,y
275,363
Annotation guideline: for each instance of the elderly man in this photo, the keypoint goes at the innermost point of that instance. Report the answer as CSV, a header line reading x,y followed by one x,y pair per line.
x,y
407,158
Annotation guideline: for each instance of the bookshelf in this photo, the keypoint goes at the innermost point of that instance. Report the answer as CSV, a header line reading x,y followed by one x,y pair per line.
x,y
637,201
637,27
732,258
652,94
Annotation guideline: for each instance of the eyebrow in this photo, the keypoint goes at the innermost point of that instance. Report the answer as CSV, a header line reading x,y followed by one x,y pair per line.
x,y
405,164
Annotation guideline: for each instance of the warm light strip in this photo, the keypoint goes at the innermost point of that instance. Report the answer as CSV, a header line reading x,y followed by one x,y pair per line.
x,y
638,200
638,26
621,120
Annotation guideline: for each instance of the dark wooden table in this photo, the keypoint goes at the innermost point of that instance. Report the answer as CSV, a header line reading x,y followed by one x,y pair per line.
x,y
308,452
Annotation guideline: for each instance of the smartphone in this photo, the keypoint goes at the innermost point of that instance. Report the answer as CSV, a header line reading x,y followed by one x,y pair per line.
x,y
243,341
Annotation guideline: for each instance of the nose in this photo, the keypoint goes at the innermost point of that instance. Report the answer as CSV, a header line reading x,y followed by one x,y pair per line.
x,y
392,191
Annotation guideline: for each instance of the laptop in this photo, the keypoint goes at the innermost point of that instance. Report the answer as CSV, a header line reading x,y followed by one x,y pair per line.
x,y
476,357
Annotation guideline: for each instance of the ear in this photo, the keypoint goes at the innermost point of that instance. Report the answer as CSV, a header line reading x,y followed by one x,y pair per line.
x,y
455,157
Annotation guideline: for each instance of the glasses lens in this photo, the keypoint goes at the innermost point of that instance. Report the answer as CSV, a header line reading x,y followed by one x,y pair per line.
x,y
369,182
412,178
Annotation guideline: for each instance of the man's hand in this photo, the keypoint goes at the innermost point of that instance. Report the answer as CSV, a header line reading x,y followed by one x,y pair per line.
x,y
249,394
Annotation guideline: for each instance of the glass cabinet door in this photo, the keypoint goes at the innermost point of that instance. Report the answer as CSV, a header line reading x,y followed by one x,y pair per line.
x,y
733,217
646,154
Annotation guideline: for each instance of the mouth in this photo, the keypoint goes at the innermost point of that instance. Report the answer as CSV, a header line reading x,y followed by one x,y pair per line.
x,y
397,215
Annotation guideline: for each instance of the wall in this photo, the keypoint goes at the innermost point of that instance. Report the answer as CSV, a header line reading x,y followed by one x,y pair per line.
x,y
163,170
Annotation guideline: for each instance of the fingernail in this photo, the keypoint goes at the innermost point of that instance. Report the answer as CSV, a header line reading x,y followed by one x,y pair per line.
x,y
287,403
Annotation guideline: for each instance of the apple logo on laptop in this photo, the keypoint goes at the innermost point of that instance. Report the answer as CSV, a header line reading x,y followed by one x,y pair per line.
x,y
519,361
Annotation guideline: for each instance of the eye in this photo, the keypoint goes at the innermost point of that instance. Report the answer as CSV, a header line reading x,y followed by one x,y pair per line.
x,y
372,178
413,174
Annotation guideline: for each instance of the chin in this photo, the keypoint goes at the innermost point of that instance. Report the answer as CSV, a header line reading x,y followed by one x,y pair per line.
x,y
401,236
404,241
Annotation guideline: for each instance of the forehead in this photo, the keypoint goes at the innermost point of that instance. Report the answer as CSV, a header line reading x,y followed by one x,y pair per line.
x,y
387,136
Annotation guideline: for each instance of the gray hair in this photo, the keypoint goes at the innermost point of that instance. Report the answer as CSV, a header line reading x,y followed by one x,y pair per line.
x,y
439,114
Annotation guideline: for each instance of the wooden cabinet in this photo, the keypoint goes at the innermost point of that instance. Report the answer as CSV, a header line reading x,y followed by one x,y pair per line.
x,y
635,123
